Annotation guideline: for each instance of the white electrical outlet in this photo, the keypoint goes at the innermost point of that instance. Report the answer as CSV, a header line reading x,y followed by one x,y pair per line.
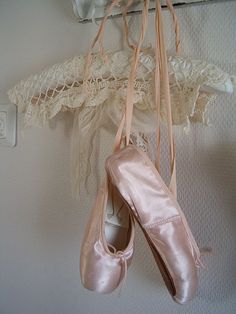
x,y
3,124
8,115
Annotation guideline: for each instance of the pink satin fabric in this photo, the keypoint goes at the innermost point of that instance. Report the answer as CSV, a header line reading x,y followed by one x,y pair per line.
x,y
100,269
160,217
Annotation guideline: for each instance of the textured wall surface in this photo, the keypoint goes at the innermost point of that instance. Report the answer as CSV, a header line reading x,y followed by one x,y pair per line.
x,y
41,226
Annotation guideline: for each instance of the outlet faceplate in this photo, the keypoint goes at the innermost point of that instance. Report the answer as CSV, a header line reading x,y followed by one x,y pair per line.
x,y
8,118
3,124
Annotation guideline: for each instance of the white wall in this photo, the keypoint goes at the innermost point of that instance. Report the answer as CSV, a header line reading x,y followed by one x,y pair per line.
x,y
41,226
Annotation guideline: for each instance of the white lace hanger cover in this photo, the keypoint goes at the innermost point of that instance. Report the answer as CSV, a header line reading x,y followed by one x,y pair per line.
x,y
193,85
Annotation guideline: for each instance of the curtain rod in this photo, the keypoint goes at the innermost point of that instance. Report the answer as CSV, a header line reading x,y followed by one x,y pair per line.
x,y
137,9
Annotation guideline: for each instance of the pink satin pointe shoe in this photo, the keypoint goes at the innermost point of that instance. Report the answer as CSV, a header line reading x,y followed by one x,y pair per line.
x,y
107,247
160,218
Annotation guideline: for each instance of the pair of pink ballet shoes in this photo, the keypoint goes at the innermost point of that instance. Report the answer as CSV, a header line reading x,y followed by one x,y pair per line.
x,y
150,203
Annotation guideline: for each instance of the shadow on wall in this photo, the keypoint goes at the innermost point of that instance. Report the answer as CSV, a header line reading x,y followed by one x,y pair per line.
x,y
207,194
219,166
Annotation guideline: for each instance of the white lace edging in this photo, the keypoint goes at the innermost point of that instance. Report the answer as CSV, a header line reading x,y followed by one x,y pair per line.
x,y
193,85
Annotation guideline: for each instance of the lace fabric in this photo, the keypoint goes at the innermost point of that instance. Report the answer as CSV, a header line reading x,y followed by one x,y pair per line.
x,y
193,85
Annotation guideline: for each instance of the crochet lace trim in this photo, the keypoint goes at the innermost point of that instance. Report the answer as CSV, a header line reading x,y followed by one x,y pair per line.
x,y
193,84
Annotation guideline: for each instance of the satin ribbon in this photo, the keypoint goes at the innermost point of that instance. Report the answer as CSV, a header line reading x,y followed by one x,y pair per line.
x,y
98,38
161,75
176,25
161,72
127,117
